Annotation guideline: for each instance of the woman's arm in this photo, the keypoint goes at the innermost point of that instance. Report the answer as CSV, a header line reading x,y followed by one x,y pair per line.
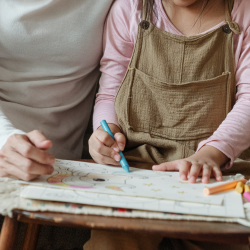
x,y
6,129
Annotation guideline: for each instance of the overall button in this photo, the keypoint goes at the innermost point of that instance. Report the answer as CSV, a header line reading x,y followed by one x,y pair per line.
x,y
144,24
226,29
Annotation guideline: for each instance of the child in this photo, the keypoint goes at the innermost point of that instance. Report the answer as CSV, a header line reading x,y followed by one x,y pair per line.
x,y
174,103
177,106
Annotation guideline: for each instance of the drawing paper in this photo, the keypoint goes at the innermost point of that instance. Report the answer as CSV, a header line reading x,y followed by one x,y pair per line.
x,y
231,207
102,179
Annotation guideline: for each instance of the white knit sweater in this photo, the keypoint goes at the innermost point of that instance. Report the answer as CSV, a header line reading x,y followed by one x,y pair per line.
x,y
49,59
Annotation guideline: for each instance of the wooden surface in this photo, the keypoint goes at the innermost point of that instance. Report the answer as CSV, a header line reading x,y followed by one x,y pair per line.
x,y
202,231
31,236
9,232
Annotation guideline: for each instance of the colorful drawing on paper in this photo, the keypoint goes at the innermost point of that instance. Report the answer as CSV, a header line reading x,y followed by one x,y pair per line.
x,y
71,177
96,178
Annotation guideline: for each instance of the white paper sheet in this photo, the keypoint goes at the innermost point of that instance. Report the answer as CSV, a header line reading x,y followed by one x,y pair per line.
x,y
96,178
231,207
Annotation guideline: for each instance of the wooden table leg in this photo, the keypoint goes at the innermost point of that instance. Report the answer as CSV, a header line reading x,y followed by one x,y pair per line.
x,y
31,236
9,233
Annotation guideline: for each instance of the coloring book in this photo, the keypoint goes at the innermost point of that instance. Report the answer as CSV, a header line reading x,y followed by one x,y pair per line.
x,y
96,178
231,207
95,184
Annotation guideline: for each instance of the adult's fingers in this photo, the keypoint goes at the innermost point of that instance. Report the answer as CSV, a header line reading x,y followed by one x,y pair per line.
x,y
206,173
3,173
39,140
120,140
28,166
194,172
7,170
23,146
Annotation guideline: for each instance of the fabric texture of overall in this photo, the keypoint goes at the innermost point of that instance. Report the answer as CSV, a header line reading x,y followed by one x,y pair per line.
x,y
172,85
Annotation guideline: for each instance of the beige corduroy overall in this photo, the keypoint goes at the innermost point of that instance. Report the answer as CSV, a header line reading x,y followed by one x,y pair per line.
x,y
176,93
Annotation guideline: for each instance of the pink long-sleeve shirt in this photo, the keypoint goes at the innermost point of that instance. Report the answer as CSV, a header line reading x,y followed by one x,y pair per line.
x,y
233,135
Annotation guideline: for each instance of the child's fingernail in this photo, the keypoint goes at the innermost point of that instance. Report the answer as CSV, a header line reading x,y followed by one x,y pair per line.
x,y
116,149
205,179
117,157
219,178
192,179
183,176
121,146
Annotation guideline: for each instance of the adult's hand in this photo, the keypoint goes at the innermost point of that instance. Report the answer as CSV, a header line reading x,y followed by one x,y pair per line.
x,y
103,148
24,156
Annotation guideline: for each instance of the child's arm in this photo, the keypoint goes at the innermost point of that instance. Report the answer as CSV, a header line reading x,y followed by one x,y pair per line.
x,y
118,47
233,135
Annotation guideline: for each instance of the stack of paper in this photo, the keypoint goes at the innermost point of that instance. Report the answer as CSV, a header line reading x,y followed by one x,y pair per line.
x,y
95,184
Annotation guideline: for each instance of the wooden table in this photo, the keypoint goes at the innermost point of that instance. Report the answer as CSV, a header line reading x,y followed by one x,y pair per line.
x,y
202,231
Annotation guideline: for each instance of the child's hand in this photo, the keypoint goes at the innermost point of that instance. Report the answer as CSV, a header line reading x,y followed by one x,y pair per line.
x,y
104,149
206,162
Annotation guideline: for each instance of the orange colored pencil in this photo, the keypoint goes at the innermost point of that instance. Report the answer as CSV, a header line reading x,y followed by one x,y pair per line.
x,y
222,187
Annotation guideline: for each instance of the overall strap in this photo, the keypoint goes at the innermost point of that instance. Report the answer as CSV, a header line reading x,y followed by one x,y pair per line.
x,y
229,4
146,11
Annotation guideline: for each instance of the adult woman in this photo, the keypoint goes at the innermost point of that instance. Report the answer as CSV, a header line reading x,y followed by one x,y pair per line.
x,y
49,60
